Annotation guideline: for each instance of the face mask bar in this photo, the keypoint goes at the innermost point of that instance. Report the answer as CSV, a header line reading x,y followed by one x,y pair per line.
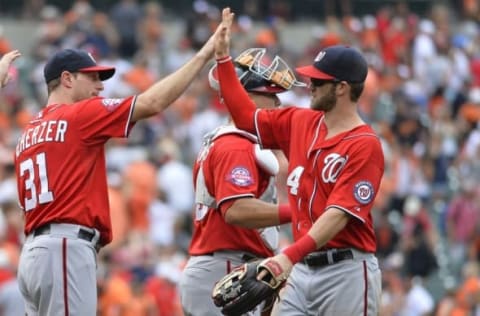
x,y
278,72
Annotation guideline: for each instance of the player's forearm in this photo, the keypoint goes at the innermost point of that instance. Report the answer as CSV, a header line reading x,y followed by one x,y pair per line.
x,y
3,74
325,228
163,93
254,213
328,226
240,106
4,65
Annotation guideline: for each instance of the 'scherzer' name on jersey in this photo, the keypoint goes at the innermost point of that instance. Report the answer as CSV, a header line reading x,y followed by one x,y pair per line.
x,y
47,131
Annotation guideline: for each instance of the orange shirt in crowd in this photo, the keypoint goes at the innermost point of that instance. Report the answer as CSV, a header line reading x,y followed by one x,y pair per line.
x,y
5,46
140,78
120,297
166,296
115,297
467,297
141,304
140,190
119,216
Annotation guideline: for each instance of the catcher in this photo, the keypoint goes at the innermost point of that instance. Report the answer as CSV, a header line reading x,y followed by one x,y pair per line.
x,y
236,214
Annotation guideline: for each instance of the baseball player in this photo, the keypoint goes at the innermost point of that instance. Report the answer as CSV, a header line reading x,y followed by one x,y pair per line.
x,y
335,164
5,62
61,176
235,194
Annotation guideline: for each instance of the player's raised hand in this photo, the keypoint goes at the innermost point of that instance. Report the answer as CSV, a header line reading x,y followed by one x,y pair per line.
x,y
5,63
209,47
222,36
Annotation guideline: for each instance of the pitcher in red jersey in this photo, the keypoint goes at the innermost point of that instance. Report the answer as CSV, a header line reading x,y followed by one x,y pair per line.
x,y
61,175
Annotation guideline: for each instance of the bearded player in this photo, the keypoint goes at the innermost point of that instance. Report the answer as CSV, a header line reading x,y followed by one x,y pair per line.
x,y
335,165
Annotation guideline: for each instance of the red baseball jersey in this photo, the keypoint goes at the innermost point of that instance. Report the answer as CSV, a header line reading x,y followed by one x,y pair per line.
x,y
60,163
230,172
343,172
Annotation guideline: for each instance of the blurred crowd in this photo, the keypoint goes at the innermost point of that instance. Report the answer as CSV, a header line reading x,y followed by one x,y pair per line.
x,y
422,96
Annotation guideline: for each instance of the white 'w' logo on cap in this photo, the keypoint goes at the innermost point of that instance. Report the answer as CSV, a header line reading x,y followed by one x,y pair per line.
x,y
320,56
91,57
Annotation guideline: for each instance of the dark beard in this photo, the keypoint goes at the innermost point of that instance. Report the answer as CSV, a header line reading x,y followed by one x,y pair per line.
x,y
327,102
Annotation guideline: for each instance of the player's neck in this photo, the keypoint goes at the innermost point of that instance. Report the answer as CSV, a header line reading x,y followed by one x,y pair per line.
x,y
56,97
338,121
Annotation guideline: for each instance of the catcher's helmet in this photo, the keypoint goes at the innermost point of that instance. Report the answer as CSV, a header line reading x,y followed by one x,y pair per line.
x,y
254,75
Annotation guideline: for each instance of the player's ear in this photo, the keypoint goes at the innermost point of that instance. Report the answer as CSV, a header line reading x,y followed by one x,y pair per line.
x,y
66,78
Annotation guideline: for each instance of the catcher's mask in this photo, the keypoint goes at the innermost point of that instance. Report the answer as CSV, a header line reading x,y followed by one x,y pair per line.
x,y
256,76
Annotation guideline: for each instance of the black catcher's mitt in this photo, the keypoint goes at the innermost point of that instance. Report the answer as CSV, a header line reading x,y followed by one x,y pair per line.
x,y
239,291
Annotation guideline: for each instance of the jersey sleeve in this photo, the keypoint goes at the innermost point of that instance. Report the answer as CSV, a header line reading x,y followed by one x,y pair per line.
x,y
274,127
239,104
100,119
235,175
357,185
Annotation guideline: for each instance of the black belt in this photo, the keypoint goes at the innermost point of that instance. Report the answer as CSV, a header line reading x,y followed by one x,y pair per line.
x,y
320,259
245,257
82,233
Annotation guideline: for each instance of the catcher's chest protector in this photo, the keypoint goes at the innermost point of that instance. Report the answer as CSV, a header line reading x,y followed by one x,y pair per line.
x,y
265,160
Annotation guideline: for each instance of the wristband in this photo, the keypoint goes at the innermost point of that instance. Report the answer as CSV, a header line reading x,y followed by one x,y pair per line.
x,y
284,213
300,248
222,60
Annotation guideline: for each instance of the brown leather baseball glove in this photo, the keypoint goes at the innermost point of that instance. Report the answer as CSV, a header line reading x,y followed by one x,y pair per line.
x,y
239,291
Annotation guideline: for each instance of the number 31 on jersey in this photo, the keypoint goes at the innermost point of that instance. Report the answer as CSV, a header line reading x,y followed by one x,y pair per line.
x,y
35,167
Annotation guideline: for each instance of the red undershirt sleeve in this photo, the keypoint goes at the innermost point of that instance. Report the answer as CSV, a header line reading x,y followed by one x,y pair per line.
x,y
241,108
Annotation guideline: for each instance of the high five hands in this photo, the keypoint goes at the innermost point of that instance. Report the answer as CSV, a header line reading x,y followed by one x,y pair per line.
x,y
222,37
208,49
5,63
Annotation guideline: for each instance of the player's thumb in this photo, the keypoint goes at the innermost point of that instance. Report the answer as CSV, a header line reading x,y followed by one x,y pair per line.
x,y
264,275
